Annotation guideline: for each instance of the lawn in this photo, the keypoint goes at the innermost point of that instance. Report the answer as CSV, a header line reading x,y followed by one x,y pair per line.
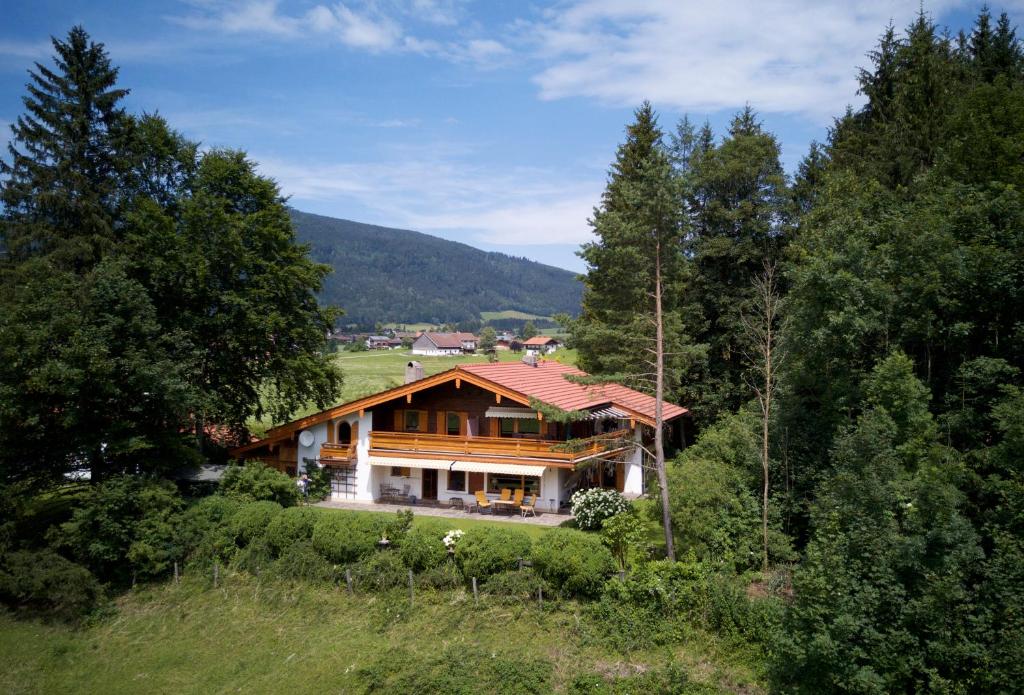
x,y
263,636
510,314
443,524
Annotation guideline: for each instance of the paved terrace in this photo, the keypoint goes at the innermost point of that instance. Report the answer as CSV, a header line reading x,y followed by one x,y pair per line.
x,y
542,518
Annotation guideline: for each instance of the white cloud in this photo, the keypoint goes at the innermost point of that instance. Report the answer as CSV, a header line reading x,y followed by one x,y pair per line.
x,y
35,50
520,206
782,56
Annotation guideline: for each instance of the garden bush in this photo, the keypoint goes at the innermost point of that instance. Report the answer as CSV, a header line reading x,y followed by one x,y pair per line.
x,y
572,562
255,482
381,571
592,506
344,537
486,551
515,586
300,560
44,583
204,532
123,528
293,525
624,627
251,520
444,576
423,549
254,558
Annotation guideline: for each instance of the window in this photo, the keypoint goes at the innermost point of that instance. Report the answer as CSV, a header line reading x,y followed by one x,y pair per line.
x,y
457,481
454,425
529,426
529,483
400,472
412,421
508,427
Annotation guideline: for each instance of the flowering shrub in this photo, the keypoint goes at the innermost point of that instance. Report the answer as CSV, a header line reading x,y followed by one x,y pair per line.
x,y
452,537
591,507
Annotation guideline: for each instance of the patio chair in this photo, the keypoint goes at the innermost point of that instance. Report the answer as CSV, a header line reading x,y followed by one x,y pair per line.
x,y
482,502
517,499
506,494
530,507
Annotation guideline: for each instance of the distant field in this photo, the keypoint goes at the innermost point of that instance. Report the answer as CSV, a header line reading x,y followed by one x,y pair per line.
x,y
510,314
377,370
410,326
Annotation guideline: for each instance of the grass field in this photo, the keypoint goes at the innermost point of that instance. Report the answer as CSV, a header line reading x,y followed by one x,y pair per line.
x,y
510,314
256,636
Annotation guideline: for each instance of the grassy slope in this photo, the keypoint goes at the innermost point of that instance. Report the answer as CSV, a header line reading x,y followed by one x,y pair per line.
x,y
253,637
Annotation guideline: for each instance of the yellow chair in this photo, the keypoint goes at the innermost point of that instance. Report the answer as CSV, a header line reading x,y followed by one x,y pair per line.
x,y
530,506
482,502
517,499
506,494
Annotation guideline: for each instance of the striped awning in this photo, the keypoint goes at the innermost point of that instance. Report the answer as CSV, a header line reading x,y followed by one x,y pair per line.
x,y
409,463
516,413
500,468
608,412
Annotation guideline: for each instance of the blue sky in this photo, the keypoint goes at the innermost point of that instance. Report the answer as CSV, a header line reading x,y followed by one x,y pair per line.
x,y
491,123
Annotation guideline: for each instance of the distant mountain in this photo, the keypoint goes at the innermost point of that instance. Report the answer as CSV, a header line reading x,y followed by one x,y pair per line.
x,y
396,275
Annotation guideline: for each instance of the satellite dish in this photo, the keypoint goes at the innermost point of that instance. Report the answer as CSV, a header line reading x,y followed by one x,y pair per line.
x,y
306,438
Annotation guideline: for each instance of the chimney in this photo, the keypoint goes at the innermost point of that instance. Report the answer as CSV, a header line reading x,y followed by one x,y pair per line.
x,y
530,360
413,372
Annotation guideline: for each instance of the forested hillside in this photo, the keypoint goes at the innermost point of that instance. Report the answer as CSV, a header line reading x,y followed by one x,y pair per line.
x,y
395,275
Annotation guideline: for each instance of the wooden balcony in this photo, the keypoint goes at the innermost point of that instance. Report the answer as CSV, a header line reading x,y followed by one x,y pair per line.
x,y
338,454
415,442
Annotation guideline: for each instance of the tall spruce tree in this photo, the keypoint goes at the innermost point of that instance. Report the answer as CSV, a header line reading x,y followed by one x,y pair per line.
x,y
629,325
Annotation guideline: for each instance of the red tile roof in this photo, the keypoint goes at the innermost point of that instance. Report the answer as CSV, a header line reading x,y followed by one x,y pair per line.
x,y
539,340
547,383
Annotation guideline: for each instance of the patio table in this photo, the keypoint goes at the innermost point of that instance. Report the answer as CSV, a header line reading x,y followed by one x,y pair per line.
x,y
507,505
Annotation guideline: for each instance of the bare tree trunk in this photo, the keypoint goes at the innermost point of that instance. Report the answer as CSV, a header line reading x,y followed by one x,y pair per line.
x,y
659,396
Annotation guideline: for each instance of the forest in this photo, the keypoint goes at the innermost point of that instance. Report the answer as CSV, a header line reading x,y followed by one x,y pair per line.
x,y
850,343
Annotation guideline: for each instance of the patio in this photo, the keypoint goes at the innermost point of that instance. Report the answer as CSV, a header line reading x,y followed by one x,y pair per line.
x,y
542,518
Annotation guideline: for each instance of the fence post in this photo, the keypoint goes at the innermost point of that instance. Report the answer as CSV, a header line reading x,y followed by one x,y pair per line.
x,y
348,579
216,573
176,576
520,564
475,597
410,587
540,598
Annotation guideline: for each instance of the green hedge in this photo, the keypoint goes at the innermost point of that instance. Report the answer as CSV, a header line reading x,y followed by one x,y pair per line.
x,y
572,562
291,526
252,520
486,551
344,538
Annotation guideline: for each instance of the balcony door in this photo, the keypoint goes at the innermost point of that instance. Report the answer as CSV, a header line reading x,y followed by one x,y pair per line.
x,y
429,484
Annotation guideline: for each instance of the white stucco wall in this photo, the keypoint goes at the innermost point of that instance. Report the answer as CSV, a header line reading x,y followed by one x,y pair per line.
x,y
313,451
633,484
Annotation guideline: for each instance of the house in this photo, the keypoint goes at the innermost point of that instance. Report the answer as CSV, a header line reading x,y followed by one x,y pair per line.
x,y
473,428
468,341
378,342
541,345
436,344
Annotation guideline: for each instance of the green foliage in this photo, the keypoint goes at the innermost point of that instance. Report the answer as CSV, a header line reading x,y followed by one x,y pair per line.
x,y
204,529
624,535
516,587
486,551
459,669
398,281
380,571
252,520
300,560
422,549
593,505
257,482
445,576
345,538
488,338
42,582
575,564
123,528
292,526
670,679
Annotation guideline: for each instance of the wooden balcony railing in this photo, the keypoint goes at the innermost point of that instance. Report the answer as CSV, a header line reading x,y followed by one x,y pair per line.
x,y
490,446
338,452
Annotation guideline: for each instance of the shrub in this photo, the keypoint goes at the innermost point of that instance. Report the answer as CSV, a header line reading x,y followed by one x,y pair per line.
x,y
458,669
319,481
254,558
515,586
591,507
204,530
572,562
624,627
624,535
670,679
486,551
423,549
44,582
444,576
300,560
396,529
291,526
666,587
124,527
255,482
251,520
343,537
381,571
